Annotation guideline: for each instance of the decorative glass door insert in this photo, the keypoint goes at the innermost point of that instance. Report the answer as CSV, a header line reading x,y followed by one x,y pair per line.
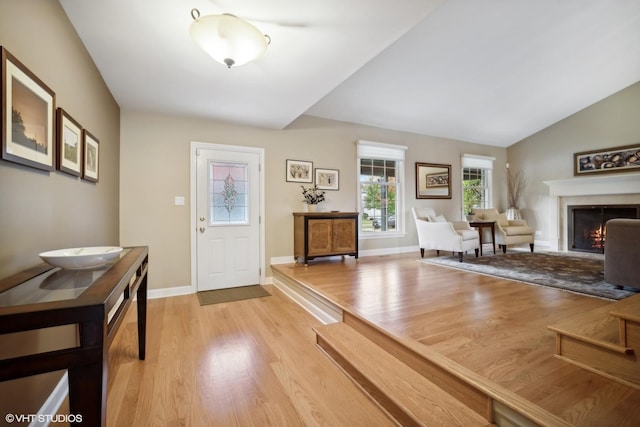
x,y
228,193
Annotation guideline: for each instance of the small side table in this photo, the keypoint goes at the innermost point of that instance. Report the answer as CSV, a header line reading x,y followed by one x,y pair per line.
x,y
484,224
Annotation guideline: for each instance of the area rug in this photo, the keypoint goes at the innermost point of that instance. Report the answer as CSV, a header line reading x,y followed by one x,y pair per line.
x,y
578,274
232,294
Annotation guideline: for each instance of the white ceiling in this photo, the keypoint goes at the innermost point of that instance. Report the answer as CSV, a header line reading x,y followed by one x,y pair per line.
x,y
483,71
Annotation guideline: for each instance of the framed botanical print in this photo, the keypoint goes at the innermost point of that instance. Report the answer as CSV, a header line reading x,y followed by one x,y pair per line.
x,y
28,109
327,179
299,171
91,156
68,144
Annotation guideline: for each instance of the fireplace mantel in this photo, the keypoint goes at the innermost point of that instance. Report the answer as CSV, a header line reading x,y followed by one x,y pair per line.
x,y
620,184
595,185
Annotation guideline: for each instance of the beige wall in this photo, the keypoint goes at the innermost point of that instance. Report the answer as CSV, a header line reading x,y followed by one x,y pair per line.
x,y
155,168
43,211
548,154
40,211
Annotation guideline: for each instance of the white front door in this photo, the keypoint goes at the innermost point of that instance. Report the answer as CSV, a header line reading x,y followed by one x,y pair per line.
x,y
228,218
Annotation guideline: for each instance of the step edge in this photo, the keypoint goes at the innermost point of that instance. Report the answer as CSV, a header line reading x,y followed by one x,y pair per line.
x,y
399,403
408,418
608,345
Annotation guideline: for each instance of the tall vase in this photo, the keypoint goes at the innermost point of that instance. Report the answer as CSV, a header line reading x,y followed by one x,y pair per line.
x,y
513,213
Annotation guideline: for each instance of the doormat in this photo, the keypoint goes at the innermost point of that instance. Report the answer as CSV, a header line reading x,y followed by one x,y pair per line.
x,y
582,275
232,294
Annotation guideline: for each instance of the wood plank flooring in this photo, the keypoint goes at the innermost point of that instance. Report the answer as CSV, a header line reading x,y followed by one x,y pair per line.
x,y
244,363
254,362
494,327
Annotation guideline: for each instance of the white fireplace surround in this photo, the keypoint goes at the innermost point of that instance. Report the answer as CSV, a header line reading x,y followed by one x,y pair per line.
x,y
623,188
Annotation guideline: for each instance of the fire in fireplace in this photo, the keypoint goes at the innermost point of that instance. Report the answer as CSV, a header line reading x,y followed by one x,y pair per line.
x,y
587,225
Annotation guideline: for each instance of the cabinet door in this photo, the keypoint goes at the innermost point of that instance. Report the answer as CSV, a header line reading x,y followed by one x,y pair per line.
x,y
320,237
344,235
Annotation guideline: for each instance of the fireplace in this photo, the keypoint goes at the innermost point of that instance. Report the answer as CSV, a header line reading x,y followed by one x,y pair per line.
x,y
606,189
587,229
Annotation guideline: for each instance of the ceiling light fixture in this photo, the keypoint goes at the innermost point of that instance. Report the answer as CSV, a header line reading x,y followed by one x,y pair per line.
x,y
227,38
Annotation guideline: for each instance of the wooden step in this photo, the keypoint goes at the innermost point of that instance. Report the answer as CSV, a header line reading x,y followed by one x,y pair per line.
x,y
628,313
483,396
605,340
407,396
595,327
602,326
627,309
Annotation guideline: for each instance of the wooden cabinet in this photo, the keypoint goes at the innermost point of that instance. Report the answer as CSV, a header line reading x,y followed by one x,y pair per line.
x,y
324,234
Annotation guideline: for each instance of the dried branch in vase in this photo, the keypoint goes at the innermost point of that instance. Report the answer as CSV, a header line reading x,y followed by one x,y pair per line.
x,y
516,183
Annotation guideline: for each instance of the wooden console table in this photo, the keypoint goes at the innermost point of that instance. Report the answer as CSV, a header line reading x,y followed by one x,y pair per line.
x,y
47,296
483,224
317,234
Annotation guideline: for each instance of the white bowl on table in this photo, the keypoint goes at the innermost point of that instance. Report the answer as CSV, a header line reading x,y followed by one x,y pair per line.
x,y
80,258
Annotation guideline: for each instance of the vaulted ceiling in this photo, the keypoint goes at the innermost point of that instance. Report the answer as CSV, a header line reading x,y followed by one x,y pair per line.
x,y
483,71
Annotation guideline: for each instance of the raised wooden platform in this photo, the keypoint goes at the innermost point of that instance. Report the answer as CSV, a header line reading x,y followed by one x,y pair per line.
x,y
412,383
605,340
408,398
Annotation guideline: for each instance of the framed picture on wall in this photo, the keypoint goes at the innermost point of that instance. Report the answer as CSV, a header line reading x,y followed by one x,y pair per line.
x,y
299,171
68,144
433,181
91,157
607,160
28,114
437,180
327,179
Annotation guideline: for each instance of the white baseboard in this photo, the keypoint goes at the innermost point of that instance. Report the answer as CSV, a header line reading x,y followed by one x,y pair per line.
x,y
282,260
320,308
389,251
363,253
542,244
53,402
170,292
184,290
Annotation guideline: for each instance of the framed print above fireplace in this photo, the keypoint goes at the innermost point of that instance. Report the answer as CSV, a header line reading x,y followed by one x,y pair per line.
x,y
607,160
28,110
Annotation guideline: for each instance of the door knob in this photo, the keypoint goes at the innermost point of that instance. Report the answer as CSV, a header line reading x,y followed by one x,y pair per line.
x,y
202,229
201,218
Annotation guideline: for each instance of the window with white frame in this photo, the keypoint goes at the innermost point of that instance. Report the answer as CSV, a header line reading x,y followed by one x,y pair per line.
x,y
381,189
476,182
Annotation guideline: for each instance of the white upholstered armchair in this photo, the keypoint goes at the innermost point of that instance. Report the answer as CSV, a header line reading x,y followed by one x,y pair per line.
x,y
436,233
508,232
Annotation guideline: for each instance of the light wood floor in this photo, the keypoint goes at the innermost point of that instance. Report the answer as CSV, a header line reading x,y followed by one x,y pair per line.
x,y
254,362
494,327
245,363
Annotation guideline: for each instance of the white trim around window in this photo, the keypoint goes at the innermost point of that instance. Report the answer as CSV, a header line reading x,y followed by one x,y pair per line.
x,y
382,151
